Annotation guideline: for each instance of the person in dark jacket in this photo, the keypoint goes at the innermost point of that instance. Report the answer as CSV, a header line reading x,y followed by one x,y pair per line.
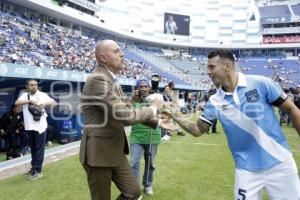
x,y
12,123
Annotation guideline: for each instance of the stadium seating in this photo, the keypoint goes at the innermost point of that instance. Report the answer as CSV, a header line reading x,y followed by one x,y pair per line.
x,y
25,41
286,71
296,9
274,11
159,63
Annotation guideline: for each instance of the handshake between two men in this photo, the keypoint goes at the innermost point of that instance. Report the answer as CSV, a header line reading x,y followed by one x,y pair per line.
x,y
162,106
165,110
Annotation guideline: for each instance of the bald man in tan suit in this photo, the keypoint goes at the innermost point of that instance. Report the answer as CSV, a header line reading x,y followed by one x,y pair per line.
x,y
104,145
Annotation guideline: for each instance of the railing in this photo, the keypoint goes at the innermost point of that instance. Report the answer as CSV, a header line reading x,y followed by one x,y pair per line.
x,y
286,30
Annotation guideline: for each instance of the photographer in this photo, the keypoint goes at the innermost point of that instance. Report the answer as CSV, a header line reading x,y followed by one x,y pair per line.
x,y
143,139
35,124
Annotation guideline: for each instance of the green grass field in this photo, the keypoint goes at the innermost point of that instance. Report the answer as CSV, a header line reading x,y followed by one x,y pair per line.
x,y
3,154
187,168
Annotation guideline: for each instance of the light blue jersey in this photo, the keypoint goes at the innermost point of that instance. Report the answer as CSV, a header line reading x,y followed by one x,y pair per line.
x,y
248,119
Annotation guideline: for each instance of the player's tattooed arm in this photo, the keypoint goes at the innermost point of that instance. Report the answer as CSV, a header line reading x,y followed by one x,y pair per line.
x,y
195,129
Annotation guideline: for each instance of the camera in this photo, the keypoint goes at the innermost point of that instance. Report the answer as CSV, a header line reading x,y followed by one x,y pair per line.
x,y
155,79
154,92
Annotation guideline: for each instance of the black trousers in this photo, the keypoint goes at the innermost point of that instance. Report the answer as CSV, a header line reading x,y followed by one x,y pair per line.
x,y
37,144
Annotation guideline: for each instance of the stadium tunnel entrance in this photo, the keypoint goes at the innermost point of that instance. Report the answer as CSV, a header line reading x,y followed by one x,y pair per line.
x,y
65,119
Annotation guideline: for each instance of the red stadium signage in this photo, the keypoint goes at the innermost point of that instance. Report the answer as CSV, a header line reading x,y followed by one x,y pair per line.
x,y
284,39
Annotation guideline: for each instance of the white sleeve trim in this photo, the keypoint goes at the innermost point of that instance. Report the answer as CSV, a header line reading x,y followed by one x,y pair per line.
x,y
206,120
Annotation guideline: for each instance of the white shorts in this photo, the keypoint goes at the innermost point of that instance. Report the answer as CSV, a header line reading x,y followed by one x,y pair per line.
x,y
281,182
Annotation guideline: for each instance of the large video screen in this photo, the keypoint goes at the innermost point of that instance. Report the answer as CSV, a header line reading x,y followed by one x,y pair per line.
x,y
175,24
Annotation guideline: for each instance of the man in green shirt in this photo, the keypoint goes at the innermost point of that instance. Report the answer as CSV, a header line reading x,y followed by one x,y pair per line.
x,y
143,139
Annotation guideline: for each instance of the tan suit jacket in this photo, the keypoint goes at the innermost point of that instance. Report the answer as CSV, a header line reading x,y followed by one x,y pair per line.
x,y
105,114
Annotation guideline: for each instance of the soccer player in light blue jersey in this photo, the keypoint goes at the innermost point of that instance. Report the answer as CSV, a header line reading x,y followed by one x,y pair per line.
x,y
244,106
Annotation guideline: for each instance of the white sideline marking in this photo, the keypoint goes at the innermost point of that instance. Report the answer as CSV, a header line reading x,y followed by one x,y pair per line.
x,y
292,135
197,143
48,153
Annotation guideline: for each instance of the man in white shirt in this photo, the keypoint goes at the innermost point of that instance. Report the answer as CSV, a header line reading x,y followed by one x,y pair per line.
x,y
36,128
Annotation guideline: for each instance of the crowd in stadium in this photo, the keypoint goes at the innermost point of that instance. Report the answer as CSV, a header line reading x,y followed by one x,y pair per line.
x,y
26,41
221,83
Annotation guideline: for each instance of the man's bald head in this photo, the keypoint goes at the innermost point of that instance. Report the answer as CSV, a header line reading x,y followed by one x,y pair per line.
x,y
101,48
108,54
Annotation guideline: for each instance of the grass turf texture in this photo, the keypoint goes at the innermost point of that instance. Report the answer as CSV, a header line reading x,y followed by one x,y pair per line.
x,y
187,168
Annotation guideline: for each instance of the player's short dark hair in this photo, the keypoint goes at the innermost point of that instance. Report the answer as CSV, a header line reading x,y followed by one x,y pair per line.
x,y
28,80
171,84
222,53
